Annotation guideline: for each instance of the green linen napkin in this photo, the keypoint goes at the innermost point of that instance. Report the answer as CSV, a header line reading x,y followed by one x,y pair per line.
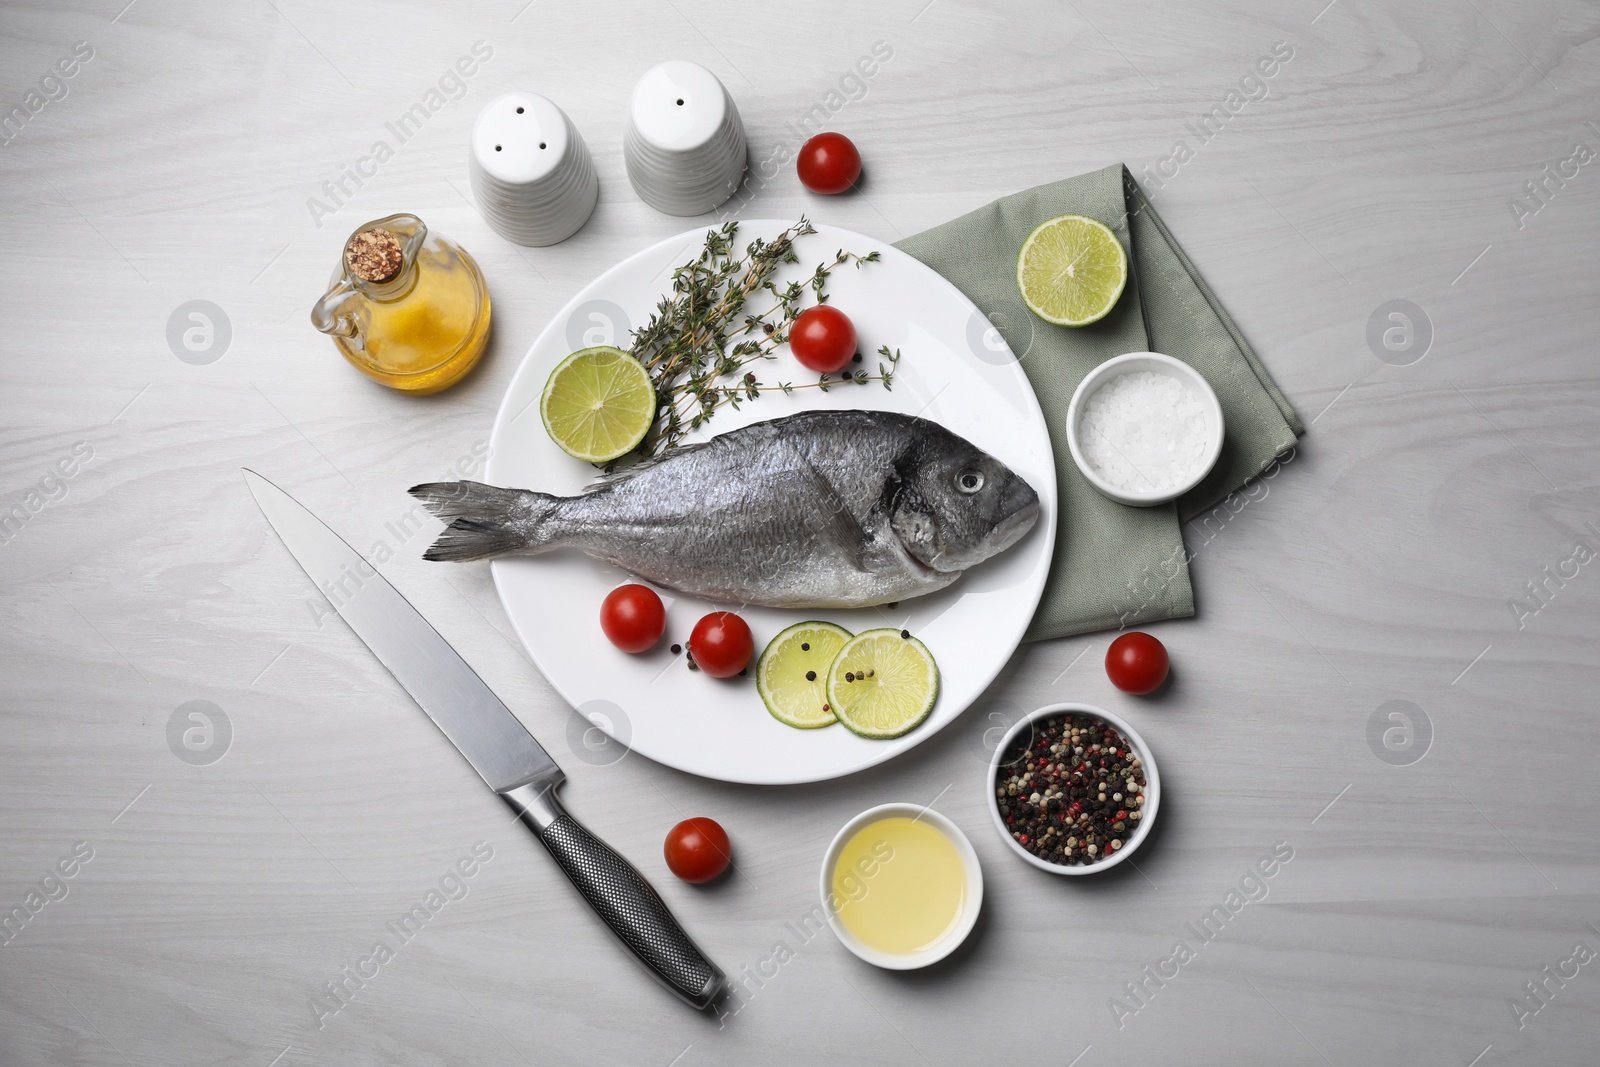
x,y
1114,565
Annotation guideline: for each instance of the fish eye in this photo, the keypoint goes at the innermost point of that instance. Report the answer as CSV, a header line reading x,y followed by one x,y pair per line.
x,y
969,481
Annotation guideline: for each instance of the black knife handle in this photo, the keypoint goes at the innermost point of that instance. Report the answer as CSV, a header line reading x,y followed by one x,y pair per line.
x,y
619,894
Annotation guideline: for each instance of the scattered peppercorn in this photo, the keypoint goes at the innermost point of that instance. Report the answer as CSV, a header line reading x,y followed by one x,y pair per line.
x,y
1054,784
811,676
905,635
805,646
676,649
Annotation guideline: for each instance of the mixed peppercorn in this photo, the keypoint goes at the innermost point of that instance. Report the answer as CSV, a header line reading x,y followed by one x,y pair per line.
x,y
1071,792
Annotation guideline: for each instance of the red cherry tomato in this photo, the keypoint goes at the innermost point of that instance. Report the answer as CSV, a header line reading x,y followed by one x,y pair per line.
x,y
697,850
828,163
721,644
823,338
1137,663
633,618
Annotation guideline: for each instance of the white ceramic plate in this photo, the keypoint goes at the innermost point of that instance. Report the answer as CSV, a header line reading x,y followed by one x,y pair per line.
x,y
954,370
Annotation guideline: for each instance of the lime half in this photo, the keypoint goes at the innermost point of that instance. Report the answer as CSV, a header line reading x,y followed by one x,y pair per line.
x,y
882,683
792,676
598,404
1072,270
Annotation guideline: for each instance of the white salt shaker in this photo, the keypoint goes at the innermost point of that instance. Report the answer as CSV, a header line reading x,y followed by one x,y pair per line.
x,y
684,145
532,175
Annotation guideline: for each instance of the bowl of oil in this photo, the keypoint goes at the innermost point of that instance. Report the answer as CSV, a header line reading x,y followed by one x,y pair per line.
x,y
901,886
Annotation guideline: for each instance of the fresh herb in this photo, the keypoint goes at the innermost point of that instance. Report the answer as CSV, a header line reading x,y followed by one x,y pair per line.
x,y
703,337
860,377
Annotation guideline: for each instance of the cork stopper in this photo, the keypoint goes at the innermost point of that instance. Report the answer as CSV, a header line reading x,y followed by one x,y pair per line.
x,y
374,255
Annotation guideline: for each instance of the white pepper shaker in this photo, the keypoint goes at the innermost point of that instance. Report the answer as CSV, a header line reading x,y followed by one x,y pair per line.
x,y
684,144
532,174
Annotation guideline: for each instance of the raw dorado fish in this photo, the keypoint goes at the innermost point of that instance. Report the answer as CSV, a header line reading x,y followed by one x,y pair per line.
x,y
822,509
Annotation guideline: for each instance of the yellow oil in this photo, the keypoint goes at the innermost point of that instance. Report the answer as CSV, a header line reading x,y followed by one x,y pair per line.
x,y
431,336
899,885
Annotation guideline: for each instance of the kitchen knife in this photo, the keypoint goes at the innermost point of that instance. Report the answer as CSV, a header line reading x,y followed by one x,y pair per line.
x,y
492,739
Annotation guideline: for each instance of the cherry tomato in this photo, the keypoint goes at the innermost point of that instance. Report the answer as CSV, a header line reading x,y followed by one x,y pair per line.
x,y
697,850
828,163
1137,663
823,338
633,618
721,644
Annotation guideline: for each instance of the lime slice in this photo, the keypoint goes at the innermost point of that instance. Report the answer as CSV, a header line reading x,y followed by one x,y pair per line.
x,y
792,676
1071,270
598,404
882,683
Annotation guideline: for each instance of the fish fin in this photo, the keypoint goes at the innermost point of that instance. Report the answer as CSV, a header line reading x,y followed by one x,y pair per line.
x,y
842,528
467,539
830,519
622,474
486,520
454,500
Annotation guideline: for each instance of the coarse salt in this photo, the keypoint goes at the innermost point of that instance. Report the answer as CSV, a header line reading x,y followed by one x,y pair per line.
x,y
1144,432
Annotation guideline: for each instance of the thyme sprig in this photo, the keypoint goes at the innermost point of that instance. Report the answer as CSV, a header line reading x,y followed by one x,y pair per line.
x,y
701,339
748,388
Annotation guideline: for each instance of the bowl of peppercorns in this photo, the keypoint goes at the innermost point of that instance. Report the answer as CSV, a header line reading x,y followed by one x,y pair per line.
x,y
1073,789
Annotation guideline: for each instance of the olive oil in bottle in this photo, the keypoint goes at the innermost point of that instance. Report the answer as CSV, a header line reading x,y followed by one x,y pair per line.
x,y
407,308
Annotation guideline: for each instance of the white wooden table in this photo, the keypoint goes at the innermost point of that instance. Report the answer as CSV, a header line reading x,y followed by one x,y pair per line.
x,y
1380,163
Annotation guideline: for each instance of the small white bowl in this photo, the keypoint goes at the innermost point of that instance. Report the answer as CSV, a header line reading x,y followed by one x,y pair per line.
x,y
969,860
1156,363
1152,788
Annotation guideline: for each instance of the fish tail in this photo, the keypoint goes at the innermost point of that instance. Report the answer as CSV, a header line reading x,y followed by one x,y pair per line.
x,y
486,521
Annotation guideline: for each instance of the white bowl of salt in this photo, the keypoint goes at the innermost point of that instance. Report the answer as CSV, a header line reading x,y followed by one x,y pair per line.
x,y
1144,428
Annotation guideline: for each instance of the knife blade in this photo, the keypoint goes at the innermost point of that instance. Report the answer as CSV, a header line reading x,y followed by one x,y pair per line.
x,y
493,740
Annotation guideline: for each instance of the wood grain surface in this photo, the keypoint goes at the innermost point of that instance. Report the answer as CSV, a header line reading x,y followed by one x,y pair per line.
x,y
1430,883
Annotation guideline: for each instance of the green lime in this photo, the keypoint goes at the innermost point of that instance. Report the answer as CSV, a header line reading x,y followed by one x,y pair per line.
x,y
1072,270
882,683
792,675
598,404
